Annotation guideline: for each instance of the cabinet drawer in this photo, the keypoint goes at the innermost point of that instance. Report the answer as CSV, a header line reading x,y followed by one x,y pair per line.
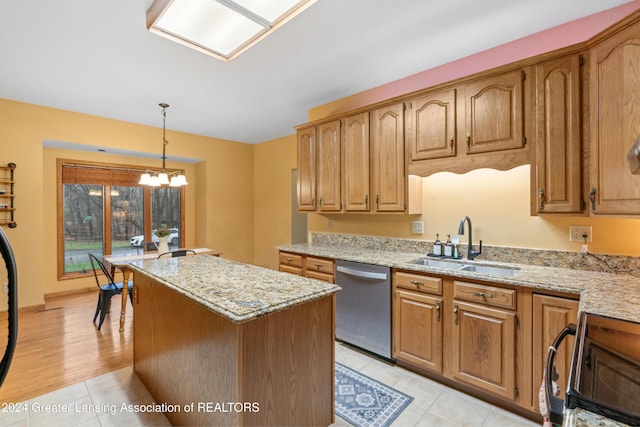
x,y
487,295
290,269
290,259
417,282
321,265
329,278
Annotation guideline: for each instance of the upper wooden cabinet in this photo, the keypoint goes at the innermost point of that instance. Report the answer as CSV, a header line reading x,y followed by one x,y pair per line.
x,y
351,158
306,185
355,155
494,113
329,194
558,169
388,158
480,124
614,122
433,125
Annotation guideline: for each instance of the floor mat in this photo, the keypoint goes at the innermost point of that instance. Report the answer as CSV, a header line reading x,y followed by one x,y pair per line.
x,y
363,401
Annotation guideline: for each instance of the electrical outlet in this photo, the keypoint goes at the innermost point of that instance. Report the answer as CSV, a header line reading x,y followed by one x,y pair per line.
x,y
576,233
417,227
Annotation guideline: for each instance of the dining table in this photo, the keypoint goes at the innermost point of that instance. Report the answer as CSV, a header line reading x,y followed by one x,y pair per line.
x,y
121,262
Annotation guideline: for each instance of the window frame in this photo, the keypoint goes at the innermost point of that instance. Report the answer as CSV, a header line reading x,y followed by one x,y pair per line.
x,y
106,242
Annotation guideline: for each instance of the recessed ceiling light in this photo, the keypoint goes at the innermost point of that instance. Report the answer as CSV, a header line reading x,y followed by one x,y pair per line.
x,y
221,28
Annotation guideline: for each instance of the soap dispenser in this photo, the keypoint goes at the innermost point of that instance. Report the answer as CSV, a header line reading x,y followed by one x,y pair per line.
x,y
437,246
448,247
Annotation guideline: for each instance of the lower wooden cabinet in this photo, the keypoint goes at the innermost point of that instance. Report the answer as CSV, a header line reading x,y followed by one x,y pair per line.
x,y
484,348
291,263
308,266
550,315
489,338
417,329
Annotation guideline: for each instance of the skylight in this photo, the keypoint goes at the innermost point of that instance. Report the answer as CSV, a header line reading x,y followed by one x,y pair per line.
x,y
221,28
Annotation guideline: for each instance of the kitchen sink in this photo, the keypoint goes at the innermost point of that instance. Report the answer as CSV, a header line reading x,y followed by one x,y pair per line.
x,y
438,263
495,271
482,269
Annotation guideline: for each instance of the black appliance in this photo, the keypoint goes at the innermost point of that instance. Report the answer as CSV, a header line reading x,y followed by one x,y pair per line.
x,y
12,302
604,375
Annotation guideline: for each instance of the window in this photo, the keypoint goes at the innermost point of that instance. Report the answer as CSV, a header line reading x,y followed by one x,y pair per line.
x,y
102,210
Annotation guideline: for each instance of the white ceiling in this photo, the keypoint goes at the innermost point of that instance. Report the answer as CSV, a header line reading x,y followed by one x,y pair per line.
x,y
96,57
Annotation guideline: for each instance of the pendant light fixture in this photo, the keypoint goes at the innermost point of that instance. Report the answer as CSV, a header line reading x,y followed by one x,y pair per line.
x,y
156,179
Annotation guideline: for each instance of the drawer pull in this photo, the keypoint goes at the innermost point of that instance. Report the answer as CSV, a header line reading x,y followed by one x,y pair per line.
x,y
417,283
438,311
482,294
318,266
289,260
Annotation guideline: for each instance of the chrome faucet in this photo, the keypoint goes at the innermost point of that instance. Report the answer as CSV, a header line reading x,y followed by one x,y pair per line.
x,y
471,254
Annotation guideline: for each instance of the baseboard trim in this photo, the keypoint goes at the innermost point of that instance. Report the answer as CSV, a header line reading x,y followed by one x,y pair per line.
x,y
60,294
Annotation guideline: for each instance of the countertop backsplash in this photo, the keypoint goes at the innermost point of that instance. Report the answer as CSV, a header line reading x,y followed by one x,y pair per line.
x,y
541,257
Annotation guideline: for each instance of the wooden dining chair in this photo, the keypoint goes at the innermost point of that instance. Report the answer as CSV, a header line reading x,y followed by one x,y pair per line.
x,y
106,291
179,252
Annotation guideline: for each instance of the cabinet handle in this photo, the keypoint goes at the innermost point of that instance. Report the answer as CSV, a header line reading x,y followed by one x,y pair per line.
x,y
366,201
417,283
377,201
320,202
451,144
468,142
592,198
540,199
438,311
455,313
313,203
482,294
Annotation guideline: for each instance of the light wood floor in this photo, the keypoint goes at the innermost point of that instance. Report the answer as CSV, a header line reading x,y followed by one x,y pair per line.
x,y
60,346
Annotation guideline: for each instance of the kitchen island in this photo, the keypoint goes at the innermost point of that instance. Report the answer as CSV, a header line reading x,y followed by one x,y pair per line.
x,y
220,342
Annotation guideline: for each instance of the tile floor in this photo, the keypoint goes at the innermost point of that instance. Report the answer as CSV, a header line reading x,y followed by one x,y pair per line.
x,y
99,401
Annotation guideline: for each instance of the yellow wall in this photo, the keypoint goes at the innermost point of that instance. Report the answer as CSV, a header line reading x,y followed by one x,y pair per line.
x,y
274,161
498,204
219,210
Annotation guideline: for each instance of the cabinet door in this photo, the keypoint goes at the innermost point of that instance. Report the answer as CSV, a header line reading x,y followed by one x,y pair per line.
x,y
307,169
615,122
484,348
558,136
328,191
550,315
433,126
417,329
355,154
494,113
388,160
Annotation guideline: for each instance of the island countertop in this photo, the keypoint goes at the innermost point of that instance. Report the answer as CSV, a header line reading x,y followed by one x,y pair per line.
x,y
237,291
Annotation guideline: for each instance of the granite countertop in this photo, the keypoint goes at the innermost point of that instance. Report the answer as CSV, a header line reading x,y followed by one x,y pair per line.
x,y
608,294
240,292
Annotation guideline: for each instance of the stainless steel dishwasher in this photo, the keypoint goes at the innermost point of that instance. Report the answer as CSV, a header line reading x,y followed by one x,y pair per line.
x,y
363,307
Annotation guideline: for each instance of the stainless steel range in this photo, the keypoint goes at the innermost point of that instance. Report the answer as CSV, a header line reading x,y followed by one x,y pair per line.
x,y
605,371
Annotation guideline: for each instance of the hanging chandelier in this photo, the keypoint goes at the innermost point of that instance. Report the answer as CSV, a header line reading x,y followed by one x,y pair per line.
x,y
156,179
